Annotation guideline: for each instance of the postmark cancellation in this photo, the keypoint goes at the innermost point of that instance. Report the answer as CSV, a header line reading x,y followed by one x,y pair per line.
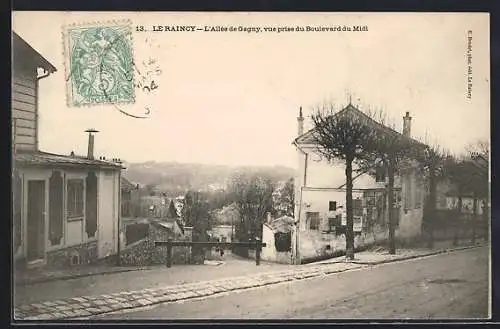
x,y
99,63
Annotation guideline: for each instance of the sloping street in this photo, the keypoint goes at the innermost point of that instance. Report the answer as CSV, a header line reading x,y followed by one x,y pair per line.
x,y
446,286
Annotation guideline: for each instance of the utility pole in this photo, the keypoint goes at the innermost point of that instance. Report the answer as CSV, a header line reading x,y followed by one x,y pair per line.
x,y
232,228
297,230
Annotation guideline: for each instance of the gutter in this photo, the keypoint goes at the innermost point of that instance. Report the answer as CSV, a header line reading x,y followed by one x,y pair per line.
x,y
36,109
305,162
43,76
297,225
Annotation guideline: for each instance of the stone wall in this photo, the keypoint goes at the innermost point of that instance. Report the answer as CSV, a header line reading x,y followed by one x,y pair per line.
x,y
86,253
410,224
315,244
137,254
144,252
180,255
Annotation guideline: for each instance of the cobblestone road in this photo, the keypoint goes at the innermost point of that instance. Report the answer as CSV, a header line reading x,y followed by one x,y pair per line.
x,y
78,307
89,306
448,286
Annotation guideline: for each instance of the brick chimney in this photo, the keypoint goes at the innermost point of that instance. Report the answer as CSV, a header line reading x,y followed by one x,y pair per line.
x,y
300,123
407,125
268,217
90,151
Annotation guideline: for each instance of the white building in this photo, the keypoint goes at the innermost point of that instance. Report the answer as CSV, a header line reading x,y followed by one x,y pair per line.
x,y
320,191
66,208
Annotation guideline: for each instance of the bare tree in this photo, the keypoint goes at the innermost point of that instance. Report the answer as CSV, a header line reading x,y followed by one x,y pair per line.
x,y
477,178
479,154
479,148
433,162
393,151
469,179
289,196
283,199
344,136
252,195
196,214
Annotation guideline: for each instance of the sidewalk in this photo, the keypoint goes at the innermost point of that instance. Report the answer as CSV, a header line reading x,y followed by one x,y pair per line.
x,y
85,306
37,275
135,279
201,281
380,255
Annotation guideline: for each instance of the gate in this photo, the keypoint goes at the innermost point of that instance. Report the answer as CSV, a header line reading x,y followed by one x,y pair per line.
x,y
171,243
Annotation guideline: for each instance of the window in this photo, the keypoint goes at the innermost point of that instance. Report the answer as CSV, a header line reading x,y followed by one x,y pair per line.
x,y
313,219
417,203
380,174
332,205
408,192
334,223
357,207
369,199
441,201
75,198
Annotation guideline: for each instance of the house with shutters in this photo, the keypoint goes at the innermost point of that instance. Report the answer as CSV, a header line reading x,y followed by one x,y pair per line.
x,y
66,208
320,198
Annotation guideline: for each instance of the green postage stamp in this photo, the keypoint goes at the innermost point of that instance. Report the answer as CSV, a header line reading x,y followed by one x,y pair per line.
x,y
99,64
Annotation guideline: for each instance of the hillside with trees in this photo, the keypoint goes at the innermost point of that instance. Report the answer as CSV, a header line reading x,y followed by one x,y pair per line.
x,y
177,178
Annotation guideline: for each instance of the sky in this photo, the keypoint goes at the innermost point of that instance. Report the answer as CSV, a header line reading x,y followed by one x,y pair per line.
x,y
232,98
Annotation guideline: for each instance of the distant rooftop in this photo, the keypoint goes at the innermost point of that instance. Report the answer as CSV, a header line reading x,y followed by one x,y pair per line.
x,y
282,224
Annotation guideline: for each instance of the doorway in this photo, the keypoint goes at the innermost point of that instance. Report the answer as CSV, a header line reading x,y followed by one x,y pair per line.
x,y
36,220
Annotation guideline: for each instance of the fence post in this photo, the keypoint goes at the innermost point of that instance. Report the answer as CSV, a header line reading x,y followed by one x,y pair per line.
x,y
258,248
169,252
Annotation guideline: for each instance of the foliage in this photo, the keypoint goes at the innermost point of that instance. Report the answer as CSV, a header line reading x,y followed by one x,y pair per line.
x,y
218,199
468,178
284,199
228,215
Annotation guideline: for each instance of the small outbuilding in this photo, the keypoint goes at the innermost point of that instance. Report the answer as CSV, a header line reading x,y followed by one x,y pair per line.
x,y
277,235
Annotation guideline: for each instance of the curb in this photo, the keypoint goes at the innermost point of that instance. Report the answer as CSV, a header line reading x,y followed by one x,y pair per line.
x,y
385,261
28,282
98,305
90,306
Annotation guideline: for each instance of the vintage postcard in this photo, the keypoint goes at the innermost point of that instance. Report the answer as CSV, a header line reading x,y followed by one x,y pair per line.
x,y
250,166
